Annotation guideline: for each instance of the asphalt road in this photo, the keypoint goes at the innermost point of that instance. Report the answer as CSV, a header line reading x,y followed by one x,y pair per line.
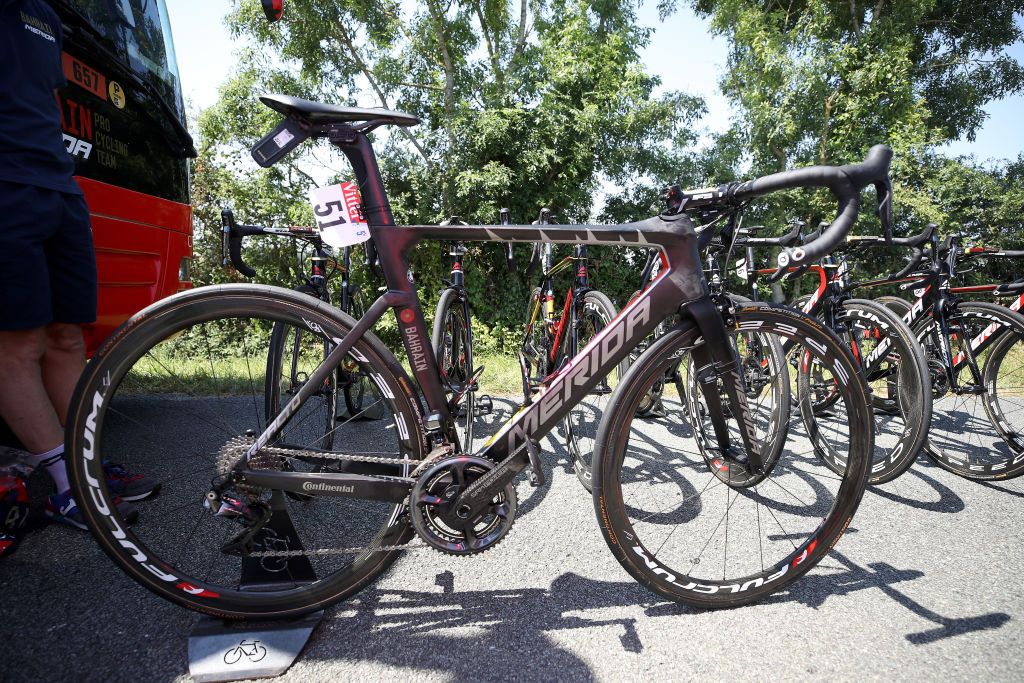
x,y
923,586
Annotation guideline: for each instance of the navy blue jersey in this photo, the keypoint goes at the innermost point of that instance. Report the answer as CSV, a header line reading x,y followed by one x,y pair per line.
x,y
32,148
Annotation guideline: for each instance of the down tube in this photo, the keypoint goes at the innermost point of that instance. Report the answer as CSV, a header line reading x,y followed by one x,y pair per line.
x,y
588,367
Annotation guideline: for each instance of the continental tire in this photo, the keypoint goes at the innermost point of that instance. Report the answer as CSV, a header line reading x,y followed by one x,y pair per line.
x,y
678,526
172,393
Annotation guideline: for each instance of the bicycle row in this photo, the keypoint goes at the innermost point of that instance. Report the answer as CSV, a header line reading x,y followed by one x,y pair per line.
x,y
765,418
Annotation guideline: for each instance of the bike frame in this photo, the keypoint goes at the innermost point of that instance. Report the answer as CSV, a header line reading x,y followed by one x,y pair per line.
x,y
544,303
934,300
680,287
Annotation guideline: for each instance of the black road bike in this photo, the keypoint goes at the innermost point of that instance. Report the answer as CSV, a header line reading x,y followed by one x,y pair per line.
x,y
552,339
707,532
975,353
452,341
293,354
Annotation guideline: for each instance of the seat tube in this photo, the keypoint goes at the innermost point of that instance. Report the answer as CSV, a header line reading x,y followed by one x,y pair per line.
x,y
392,250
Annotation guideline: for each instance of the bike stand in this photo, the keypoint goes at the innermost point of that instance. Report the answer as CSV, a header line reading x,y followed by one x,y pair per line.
x,y
221,650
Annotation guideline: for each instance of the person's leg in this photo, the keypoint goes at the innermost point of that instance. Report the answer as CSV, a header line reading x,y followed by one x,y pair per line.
x,y
62,364
24,402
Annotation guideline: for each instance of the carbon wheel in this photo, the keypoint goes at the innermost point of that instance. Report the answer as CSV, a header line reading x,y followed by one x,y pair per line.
x,y
693,536
176,393
595,312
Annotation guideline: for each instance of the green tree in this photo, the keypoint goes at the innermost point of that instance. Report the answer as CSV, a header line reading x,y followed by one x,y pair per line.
x,y
524,105
820,81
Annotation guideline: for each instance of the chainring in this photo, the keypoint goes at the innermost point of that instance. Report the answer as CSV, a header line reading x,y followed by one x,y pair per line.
x,y
439,525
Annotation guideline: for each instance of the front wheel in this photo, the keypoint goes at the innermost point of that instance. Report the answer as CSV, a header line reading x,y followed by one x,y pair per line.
x,y
452,340
361,399
901,398
978,426
292,356
177,392
672,515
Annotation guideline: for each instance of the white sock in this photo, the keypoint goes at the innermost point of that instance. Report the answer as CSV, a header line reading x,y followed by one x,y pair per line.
x,y
53,461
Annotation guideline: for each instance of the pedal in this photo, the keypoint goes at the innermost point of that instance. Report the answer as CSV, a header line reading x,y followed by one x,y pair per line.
x,y
485,405
536,473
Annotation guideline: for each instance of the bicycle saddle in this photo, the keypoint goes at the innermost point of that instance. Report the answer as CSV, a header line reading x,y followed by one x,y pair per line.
x,y
318,112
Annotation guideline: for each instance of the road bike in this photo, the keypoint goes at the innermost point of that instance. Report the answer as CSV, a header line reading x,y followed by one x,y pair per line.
x,y
452,341
552,339
708,532
975,355
345,395
879,340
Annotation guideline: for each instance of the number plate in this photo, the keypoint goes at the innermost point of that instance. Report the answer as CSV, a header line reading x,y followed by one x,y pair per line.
x,y
338,214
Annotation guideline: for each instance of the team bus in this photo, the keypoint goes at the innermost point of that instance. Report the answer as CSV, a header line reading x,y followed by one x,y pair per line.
x,y
123,119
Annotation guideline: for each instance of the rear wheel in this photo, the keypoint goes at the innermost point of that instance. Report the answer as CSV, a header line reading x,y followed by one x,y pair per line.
x,y
177,392
675,518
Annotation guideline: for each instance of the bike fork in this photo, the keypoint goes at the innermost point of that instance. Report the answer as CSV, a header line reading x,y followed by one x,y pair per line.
x,y
717,361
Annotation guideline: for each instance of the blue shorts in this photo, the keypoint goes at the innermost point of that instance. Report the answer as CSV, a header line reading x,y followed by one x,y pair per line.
x,y
47,262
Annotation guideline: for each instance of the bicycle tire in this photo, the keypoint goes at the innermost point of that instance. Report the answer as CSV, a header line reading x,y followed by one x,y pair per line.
x,y
452,336
901,421
900,307
761,365
535,364
649,406
108,399
625,479
581,424
960,442
286,340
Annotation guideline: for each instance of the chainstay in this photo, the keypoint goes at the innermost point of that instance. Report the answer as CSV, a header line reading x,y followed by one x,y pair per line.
x,y
338,551
241,444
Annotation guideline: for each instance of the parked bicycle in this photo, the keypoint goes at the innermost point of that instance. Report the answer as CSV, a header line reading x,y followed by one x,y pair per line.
x,y
552,339
975,354
345,395
711,532
452,340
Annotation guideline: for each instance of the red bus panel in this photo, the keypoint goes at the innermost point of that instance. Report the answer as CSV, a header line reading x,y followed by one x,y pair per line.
x,y
140,243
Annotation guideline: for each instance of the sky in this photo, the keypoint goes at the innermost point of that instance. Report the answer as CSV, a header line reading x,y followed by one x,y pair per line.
x,y
682,52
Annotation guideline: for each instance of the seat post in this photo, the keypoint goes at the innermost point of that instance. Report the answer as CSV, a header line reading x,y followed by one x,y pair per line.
x,y
376,209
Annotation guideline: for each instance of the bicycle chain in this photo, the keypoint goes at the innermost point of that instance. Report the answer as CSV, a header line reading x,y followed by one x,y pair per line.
x,y
240,445
337,551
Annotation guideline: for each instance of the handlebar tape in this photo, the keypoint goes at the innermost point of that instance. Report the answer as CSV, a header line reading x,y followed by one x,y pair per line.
x,y
845,182
1015,287
912,263
786,240
234,234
